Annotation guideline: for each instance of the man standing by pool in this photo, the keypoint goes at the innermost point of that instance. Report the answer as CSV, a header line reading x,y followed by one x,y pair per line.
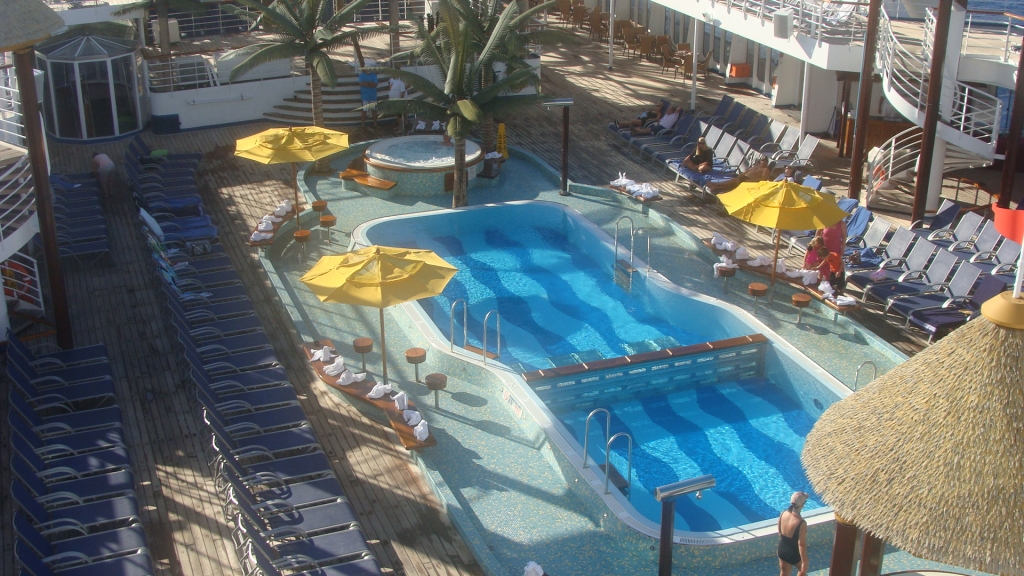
x,y
103,169
368,89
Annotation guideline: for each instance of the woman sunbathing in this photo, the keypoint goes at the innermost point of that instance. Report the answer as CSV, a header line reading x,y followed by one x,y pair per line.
x,y
702,158
756,173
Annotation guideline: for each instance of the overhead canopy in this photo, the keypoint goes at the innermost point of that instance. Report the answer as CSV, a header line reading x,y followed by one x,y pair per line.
x,y
86,48
930,456
26,22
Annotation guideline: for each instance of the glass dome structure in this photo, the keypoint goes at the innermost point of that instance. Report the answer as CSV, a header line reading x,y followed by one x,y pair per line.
x,y
92,86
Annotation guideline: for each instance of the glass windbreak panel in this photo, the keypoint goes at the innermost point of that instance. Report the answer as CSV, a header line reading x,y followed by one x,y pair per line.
x,y
125,94
774,66
762,56
96,100
632,10
677,24
718,45
667,28
727,49
66,106
47,100
706,39
687,26
750,52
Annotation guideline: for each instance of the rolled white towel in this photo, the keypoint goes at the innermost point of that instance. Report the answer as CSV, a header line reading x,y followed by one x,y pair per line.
x,y
810,277
260,236
729,246
421,431
421,125
401,401
826,288
347,377
760,261
795,273
287,205
271,218
742,253
436,125
533,569
379,390
725,263
846,301
280,212
411,417
717,239
265,226
337,368
324,355
780,266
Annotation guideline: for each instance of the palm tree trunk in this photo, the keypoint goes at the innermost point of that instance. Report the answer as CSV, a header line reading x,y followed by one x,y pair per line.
x,y
393,22
459,185
164,36
358,51
323,165
487,136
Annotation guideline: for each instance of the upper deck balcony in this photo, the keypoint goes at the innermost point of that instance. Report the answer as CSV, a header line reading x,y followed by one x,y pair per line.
x,y
829,35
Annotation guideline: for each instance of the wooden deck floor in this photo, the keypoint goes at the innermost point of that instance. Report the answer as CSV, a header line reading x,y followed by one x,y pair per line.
x,y
120,306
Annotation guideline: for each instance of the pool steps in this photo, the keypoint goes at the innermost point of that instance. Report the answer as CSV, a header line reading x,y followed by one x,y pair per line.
x,y
586,385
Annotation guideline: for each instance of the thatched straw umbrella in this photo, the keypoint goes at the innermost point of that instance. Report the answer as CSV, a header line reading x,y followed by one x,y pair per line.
x,y
930,457
26,22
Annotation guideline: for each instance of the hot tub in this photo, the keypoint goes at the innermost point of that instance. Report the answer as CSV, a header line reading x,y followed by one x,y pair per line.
x,y
418,164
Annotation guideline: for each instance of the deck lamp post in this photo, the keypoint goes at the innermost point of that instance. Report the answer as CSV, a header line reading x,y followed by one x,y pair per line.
x,y
564,104
667,495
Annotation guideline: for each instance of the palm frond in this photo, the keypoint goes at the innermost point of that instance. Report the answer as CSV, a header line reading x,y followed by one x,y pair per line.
x,y
507,85
501,30
280,21
421,108
524,17
336,39
264,53
423,85
321,62
346,15
506,105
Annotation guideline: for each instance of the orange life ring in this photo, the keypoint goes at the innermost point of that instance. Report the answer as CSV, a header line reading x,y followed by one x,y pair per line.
x,y
15,275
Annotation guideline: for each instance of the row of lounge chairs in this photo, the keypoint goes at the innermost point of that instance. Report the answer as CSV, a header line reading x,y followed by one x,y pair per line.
x,y
738,136
81,223
76,512
278,489
934,277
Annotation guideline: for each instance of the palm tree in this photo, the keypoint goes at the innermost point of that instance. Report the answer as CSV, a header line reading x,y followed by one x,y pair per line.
x,y
483,18
303,29
461,101
163,7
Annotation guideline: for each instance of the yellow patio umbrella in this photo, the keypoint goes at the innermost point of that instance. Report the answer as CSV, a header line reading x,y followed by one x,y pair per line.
x,y
292,145
783,206
379,276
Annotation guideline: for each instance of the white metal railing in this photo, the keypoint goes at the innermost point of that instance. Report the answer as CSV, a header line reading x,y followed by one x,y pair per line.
x,y
20,274
838,22
208,22
980,27
974,112
206,70
12,129
17,197
377,10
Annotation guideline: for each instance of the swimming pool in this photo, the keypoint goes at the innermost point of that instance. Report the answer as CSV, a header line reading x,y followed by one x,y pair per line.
x,y
548,272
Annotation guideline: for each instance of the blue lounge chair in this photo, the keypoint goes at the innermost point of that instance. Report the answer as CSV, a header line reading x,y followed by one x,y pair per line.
x,y
64,467
72,398
166,167
311,521
614,129
943,218
211,278
67,236
305,551
1002,261
138,564
896,248
183,206
57,377
219,328
210,346
986,241
894,268
65,214
75,490
143,149
939,320
663,137
940,295
288,470
156,192
243,381
88,517
964,231
232,363
87,549
364,566
58,359
193,292
67,423
78,443
227,399
328,495
916,282
267,446
266,489
86,254
199,309
185,267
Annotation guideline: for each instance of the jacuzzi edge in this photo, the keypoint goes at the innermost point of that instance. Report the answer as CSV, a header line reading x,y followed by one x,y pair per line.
x,y
555,432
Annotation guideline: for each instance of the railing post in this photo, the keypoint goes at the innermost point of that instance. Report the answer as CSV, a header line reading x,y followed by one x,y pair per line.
x,y
867,70
1013,140
24,66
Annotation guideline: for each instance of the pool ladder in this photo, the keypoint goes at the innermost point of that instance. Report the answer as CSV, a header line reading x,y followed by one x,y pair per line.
x,y
623,269
608,441
465,330
874,373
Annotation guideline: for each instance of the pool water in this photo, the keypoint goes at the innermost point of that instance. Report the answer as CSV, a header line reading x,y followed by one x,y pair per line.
x,y
747,434
558,306
418,151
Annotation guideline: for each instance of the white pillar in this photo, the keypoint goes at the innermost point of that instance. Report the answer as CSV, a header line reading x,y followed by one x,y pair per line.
x,y
934,198
611,35
698,39
804,100
950,69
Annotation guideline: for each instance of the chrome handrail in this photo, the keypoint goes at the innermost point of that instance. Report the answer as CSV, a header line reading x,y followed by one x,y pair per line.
x,y
586,431
465,326
497,351
607,463
647,233
615,255
874,373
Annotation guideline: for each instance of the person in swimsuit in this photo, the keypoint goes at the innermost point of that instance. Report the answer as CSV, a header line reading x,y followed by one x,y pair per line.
x,y
793,548
702,158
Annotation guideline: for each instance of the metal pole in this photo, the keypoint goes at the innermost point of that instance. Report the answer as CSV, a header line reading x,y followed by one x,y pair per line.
x,y
668,518
931,111
693,69
565,152
867,71
1012,148
383,349
611,34
35,142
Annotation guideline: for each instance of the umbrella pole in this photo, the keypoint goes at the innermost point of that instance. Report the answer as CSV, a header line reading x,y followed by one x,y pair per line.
x,y
778,237
383,349
295,186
